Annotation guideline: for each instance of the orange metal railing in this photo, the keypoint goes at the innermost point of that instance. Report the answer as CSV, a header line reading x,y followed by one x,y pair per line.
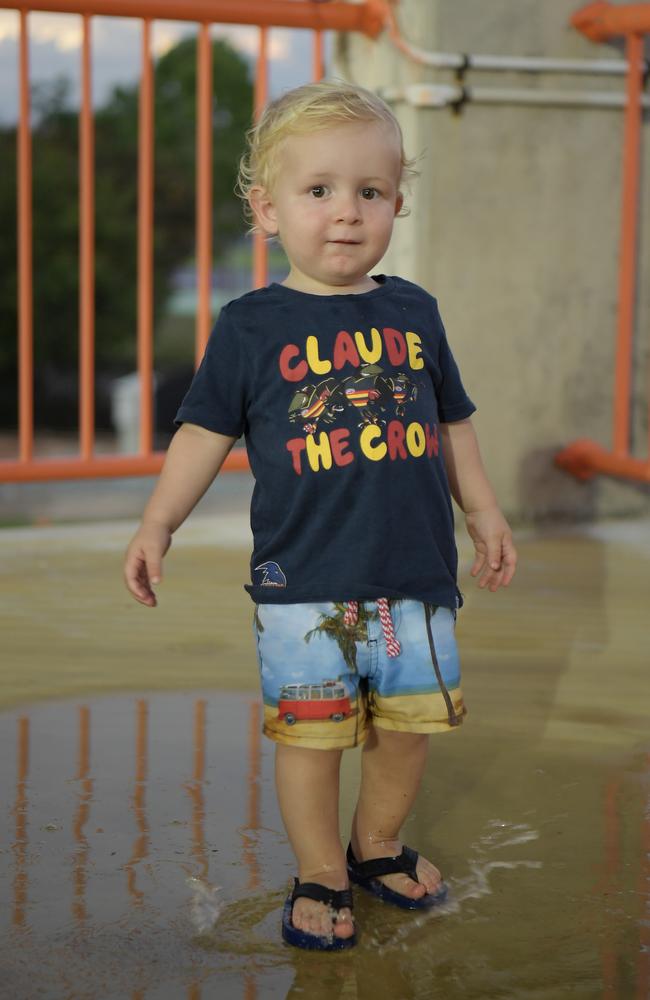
x,y
585,458
367,17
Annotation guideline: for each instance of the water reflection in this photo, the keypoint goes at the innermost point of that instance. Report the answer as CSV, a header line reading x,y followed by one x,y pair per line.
x,y
151,825
20,815
141,845
194,789
643,965
82,813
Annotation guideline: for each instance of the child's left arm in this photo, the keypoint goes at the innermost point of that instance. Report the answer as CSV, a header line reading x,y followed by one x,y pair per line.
x,y
496,556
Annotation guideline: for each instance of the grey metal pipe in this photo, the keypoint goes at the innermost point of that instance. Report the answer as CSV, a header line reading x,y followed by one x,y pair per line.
x,y
518,64
433,95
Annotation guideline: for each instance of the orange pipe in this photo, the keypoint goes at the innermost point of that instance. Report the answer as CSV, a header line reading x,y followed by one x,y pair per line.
x,y
628,246
336,16
25,265
600,20
102,467
260,246
145,244
203,188
86,253
585,458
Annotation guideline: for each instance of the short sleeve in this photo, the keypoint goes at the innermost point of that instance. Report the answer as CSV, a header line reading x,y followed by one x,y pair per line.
x,y
217,397
453,401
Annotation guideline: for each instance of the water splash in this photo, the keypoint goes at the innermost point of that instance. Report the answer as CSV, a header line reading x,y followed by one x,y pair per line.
x,y
502,833
205,905
477,884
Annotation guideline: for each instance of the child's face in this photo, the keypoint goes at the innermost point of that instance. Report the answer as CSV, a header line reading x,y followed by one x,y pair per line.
x,y
333,202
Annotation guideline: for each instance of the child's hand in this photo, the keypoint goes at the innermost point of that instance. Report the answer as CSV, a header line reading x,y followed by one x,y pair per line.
x,y
143,562
496,556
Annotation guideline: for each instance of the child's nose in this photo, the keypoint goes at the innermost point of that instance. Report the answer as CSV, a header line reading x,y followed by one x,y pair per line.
x,y
347,210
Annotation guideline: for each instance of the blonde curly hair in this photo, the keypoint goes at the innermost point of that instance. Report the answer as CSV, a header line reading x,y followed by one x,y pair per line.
x,y
310,108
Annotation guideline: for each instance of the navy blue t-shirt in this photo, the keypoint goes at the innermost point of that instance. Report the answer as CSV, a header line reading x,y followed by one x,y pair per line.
x,y
340,398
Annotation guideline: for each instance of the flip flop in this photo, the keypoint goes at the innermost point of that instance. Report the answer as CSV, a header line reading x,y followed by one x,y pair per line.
x,y
337,900
365,874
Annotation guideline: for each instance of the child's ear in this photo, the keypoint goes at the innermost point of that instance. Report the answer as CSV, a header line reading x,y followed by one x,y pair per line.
x,y
263,210
399,202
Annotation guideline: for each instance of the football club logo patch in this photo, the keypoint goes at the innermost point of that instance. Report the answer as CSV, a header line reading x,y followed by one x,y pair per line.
x,y
269,574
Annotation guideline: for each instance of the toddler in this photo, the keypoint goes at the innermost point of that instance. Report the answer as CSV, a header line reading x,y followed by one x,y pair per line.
x,y
358,432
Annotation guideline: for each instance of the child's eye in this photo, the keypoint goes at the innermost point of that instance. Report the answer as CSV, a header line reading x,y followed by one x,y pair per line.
x,y
369,193
318,191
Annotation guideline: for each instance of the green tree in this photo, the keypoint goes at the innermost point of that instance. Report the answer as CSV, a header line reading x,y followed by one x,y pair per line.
x,y
55,230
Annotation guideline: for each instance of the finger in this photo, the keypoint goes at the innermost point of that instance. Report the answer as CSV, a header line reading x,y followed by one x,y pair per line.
x,y
491,565
510,565
154,567
487,578
494,554
137,581
477,565
491,579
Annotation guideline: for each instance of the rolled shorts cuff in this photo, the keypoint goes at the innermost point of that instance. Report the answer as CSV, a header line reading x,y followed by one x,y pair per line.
x,y
301,739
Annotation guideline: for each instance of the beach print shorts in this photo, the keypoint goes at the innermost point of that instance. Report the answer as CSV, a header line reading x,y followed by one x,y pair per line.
x,y
324,682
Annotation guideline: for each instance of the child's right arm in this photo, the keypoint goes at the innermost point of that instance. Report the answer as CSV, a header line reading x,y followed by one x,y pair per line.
x,y
193,460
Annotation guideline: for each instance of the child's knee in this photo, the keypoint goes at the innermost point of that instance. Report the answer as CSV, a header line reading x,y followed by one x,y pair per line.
x,y
405,741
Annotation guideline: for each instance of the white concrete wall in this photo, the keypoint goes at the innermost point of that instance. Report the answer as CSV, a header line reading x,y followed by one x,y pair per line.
x,y
515,227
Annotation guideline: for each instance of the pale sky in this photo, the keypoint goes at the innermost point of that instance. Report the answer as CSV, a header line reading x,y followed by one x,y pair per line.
x,y
55,45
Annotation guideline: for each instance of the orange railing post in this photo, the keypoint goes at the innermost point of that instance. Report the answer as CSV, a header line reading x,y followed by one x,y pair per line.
x,y
145,244
25,262
203,188
86,253
318,56
260,246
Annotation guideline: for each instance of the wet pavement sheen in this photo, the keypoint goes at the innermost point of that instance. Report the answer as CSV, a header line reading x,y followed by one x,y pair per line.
x,y
141,850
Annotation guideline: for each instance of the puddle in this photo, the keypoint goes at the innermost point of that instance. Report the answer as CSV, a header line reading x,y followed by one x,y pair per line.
x,y
143,857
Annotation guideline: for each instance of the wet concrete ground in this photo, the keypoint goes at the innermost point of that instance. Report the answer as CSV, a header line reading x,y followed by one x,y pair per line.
x,y
141,849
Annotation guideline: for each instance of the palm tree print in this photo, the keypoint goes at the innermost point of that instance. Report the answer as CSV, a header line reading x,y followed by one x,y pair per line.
x,y
347,636
454,720
257,620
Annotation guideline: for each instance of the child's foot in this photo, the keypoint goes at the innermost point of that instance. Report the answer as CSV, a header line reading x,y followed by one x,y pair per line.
x,y
429,878
317,918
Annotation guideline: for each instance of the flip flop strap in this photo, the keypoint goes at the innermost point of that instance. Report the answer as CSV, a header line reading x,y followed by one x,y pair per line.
x,y
337,899
403,863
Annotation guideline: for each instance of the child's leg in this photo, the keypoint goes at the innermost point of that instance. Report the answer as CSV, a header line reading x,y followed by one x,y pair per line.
x,y
392,764
308,793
